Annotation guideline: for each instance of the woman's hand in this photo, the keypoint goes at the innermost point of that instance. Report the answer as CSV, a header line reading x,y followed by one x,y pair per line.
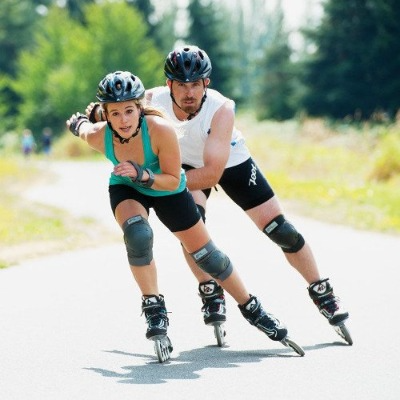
x,y
130,169
143,177
75,121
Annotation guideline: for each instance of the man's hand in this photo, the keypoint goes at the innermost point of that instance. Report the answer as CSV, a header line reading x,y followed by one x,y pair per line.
x,y
94,112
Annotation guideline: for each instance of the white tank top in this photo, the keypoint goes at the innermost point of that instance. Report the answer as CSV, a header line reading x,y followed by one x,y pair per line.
x,y
193,133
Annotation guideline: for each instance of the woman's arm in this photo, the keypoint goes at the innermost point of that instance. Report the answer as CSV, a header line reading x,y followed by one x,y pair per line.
x,y
91,133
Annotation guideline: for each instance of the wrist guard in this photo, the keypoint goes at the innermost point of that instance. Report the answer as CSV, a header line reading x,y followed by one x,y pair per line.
x,y
77,122
139,175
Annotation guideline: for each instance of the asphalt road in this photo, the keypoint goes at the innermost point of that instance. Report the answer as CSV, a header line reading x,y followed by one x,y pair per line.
x,y
71,327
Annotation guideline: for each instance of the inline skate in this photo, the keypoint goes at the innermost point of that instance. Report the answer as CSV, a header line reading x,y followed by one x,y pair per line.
x,y
321,293
253,311
214,309
155,312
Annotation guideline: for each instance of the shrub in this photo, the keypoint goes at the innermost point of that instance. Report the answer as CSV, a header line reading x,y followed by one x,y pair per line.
x,y
386,162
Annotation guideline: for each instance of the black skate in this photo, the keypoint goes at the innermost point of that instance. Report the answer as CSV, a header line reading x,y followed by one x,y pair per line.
x,y
253,311
321,292
214,310
155,312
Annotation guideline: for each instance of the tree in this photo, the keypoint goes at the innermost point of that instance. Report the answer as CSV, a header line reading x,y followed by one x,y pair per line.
x,y
248,35
76,8
354,70
209,30
161,19
276,83
61,73
164,32
37,68
146,8
17,22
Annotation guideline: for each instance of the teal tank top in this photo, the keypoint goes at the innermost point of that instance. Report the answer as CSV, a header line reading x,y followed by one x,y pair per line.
x,y
151,161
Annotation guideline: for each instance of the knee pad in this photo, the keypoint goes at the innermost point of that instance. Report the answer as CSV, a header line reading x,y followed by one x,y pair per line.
x,y
213,261
138,237
284,234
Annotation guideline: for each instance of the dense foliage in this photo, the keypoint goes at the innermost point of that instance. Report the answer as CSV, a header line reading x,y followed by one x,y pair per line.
x,y
60,75
53,54
354,71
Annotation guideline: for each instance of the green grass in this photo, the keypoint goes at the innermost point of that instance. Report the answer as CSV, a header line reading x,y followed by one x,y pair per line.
x,y
341,175
29,229
327,175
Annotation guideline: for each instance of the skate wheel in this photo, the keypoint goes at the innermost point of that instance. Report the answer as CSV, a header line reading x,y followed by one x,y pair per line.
x,y
220,333
293,345
344,333
163,348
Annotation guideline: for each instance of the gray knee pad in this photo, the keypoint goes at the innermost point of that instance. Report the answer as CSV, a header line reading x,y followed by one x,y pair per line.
x,y
213,261
284,234
138,237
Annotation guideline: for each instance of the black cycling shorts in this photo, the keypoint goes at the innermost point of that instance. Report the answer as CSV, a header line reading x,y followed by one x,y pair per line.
x,y
244,184
178,212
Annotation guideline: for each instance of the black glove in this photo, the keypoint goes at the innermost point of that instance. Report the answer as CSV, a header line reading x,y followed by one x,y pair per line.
x,y
77,121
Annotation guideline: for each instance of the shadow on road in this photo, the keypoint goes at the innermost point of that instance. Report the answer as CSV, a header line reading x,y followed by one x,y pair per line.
x,y
324,345
187,364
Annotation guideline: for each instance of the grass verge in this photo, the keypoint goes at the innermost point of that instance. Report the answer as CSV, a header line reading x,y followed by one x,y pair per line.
x,y
316,172
326,175
29,229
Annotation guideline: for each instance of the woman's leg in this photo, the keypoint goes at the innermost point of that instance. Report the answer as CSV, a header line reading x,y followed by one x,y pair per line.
x,y
144,275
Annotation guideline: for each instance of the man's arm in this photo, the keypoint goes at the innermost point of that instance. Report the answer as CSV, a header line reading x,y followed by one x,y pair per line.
x,y
216,150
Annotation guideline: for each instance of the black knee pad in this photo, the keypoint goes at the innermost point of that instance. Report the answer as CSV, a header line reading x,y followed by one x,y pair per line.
x,y
138,237
213,261
284,234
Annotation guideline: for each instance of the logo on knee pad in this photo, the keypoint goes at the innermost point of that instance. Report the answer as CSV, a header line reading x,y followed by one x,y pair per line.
x,y
268,229
134,219
200,254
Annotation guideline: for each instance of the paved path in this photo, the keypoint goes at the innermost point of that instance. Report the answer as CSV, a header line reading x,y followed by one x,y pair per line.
x,y
71,327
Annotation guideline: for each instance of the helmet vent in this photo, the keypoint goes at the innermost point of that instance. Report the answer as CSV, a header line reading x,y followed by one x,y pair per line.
x,y
120,86
187,64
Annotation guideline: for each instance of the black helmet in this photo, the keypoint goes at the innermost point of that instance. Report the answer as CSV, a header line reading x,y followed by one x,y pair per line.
x,y
187,64
120,86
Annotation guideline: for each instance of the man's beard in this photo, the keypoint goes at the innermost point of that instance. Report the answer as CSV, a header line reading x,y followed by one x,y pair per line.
x,y
189,109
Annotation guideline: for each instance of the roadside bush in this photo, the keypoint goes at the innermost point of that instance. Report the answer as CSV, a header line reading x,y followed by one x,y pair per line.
x,y
386,163
68,146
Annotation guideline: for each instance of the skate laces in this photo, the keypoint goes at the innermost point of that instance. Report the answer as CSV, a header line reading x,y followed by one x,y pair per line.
x,y
329,304
213,305
154,310
212,296
256,314
266,319
321,293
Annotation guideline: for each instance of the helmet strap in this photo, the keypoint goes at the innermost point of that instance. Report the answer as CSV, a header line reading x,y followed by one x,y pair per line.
x,y
123,140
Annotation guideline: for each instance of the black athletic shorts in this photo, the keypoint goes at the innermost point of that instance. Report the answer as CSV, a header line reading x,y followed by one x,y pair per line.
x,y
244,184
177,212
